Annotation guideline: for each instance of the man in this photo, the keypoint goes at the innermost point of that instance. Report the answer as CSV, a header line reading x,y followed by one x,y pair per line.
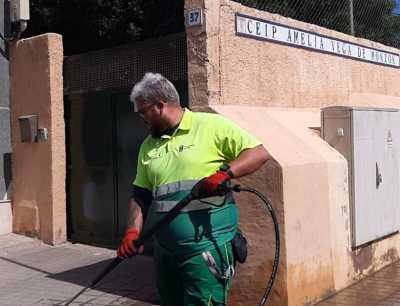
x,y
193,254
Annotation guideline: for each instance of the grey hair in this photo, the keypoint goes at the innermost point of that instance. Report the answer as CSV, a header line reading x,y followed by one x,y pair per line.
x,y
152,88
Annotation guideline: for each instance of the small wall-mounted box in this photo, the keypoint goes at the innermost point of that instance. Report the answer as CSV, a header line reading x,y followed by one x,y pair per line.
x,y
29,128
19,10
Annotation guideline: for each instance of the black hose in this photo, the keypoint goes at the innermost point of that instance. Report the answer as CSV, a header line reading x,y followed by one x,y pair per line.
x,y
143,237
172,214
268,289
164,221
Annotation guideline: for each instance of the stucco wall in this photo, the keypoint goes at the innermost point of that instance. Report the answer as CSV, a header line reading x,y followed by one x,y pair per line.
x,y
308,191
198,82
276,92
246,71
39,168
308,186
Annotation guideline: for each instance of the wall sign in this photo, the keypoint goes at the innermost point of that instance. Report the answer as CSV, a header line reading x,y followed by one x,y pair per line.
x,y
194,17
259,29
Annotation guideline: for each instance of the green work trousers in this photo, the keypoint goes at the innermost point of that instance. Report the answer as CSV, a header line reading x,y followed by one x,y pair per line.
x,y
190,282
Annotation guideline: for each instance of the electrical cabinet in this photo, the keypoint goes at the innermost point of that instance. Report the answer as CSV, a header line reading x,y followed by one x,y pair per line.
x,y
369,140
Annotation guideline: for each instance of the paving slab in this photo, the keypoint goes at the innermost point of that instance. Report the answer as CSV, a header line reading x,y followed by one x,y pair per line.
x,y
33,273
379,289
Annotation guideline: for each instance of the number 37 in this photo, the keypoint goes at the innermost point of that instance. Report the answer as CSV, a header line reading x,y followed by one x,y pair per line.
x,y
195,17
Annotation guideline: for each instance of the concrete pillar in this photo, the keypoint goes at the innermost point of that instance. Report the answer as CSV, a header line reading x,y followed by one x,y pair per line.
x,y
204,77
39,168
203,55
5,143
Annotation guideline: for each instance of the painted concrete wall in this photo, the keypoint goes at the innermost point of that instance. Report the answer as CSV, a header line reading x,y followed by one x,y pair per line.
x,y
39,168
264,73
308,186
198,82
276,92
5,143
309,176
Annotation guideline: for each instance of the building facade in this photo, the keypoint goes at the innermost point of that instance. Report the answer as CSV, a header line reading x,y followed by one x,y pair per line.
x,y
272,76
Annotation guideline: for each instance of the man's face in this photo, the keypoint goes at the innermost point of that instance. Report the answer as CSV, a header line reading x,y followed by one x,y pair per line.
x,y
151,113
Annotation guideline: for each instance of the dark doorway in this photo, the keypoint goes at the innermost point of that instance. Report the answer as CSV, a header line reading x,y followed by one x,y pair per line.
x,y
104,134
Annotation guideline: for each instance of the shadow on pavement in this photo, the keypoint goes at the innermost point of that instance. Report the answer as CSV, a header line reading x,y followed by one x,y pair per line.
x,y
133,278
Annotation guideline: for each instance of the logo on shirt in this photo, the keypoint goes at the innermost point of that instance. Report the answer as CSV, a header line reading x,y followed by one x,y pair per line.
x,y
182,148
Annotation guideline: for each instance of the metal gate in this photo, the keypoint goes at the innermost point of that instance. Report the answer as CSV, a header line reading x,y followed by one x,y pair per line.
x,y
104,134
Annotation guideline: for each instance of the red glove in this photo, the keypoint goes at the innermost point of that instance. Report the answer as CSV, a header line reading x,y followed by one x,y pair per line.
x,y
127,248
212,185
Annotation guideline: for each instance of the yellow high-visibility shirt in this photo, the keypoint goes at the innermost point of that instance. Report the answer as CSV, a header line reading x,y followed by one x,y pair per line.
x,y
169,166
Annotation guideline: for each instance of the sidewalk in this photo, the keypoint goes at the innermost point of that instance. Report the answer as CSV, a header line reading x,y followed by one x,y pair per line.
x,y
32,273
379,289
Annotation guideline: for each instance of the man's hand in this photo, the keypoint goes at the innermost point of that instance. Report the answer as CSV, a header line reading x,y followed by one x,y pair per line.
x,y
212,185
127,247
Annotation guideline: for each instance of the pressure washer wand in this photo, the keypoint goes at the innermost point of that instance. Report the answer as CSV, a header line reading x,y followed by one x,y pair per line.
x,y
146,235
164,221
99,277
174,212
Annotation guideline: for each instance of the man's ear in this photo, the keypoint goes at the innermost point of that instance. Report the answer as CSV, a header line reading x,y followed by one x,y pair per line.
x,y
161,105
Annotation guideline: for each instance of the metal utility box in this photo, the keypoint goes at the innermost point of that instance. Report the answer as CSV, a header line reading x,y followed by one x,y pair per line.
x,y
28,128
369,139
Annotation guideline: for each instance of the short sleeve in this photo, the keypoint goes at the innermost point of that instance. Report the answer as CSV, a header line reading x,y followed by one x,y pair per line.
x,y
231,139
141,179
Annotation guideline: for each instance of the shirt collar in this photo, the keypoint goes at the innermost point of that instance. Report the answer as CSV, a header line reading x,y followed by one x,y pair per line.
x,y
186,122
184,125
